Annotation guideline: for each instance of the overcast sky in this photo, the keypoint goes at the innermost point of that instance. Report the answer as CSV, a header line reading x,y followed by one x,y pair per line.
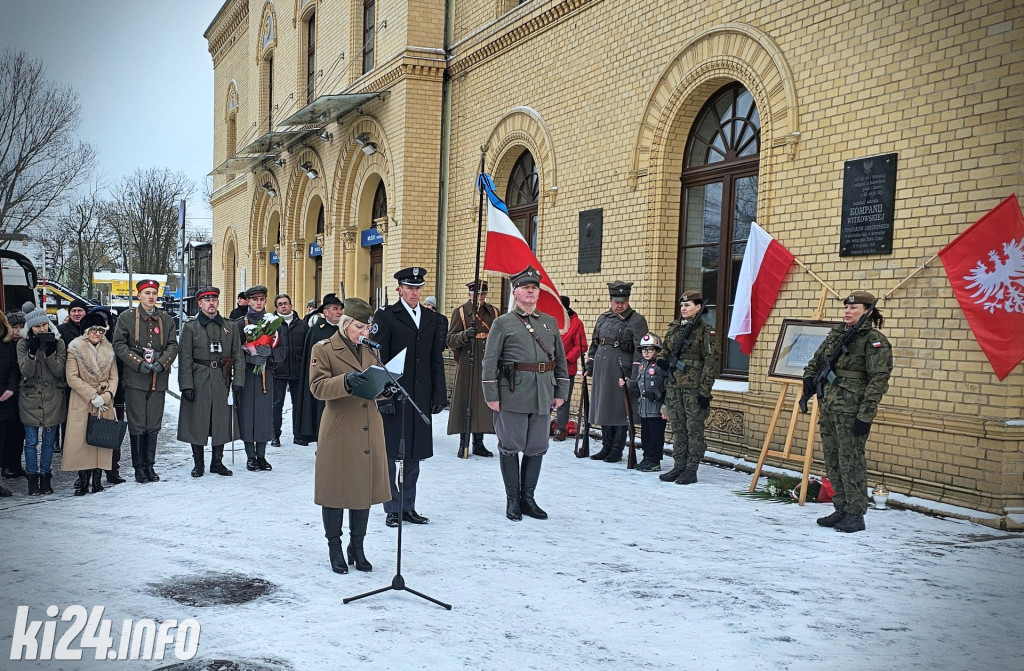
x,y
143,74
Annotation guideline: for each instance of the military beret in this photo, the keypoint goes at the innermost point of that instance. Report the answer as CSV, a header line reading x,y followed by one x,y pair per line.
x,y
692,296
619,290
528,276
413,277
862,297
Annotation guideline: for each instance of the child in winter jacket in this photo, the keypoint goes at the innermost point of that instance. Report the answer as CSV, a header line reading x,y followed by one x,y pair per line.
x,y
650,383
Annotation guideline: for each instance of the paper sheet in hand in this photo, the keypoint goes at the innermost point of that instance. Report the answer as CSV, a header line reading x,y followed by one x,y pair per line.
x,y
377,378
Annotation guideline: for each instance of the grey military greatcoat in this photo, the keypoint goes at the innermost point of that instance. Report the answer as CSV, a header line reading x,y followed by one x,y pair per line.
x,y
615,350
469,354
208,415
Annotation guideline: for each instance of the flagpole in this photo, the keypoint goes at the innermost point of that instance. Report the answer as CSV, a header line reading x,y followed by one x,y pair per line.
x,y
815,276
471,345
924,266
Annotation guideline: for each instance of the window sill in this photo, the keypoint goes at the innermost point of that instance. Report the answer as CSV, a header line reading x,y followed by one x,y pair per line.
x,y
739,386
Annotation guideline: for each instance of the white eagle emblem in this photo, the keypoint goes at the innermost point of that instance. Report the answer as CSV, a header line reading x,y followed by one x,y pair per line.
x,y
1000,284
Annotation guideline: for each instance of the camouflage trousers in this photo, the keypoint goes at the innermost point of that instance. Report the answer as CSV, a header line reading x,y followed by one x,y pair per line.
x,y
845,464
687,419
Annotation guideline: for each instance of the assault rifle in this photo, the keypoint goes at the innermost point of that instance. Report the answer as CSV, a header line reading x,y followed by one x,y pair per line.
x,y
583,424
684,341
827,372
631,459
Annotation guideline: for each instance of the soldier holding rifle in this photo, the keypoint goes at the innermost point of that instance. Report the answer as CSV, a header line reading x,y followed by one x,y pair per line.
x,y
467,337
691,356
857,362
524,373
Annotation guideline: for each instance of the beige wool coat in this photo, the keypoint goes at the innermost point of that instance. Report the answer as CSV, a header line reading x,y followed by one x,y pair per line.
x,y
90,372
351,461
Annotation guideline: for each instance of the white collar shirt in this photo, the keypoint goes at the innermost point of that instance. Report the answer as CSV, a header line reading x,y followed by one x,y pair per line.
x,y
414,312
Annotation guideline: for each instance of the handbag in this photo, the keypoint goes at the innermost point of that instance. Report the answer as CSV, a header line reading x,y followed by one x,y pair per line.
x,y
105,433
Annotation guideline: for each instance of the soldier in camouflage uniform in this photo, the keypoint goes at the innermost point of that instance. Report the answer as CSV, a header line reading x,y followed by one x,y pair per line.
x,y
848,407
688,389
523,374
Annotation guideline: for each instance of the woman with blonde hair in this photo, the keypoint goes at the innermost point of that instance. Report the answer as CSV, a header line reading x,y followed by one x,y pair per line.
x,y
92,377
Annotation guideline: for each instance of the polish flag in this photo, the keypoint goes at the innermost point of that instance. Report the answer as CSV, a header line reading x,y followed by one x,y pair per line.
x,y
765,264
507,252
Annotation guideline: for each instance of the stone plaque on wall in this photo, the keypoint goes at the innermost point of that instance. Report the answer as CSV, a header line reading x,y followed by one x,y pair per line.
x,y
869,205
589,259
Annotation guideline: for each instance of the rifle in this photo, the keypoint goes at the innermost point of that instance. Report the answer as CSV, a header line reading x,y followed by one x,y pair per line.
x,y
827,371
631,458
469,349
684,341
583,423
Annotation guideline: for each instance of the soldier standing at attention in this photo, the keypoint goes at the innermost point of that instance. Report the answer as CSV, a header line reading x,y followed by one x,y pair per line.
x,y
688,387
254,400
144,340
524,374
211,356
467,338
614,355
849,406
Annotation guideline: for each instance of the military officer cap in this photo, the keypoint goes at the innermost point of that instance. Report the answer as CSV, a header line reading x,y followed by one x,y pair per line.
x,y
147,284
862,297
412,277
528,276
256,290
207,291
619,290
479,285
357,309
330,299
693,297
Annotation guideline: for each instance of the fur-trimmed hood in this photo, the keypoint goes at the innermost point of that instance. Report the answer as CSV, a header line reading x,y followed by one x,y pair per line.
x,y
94,362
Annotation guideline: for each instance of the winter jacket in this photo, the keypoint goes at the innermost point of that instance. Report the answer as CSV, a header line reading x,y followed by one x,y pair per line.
x,y
574,340
41,400
288,353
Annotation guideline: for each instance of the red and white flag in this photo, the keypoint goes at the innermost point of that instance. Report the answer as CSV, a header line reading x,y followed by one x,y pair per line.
x,y
508,253
985,265
765,264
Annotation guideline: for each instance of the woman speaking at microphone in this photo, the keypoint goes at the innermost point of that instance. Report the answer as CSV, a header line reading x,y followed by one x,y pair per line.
x,y
351,462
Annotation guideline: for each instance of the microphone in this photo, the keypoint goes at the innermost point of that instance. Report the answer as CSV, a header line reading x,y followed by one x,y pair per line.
x,y
363,340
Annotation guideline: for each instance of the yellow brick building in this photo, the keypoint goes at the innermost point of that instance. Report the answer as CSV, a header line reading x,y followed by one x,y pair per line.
x,y
675,124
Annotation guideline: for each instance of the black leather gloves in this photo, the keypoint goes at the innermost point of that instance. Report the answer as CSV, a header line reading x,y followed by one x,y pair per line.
x,y
436,408
189,395
861,428
470,333
704,402
354,380
809,386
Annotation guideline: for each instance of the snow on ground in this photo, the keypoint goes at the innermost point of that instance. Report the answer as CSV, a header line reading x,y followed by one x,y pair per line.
x,y
628,572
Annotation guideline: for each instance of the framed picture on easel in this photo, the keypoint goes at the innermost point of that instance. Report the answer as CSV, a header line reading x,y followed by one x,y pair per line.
x,y
798,340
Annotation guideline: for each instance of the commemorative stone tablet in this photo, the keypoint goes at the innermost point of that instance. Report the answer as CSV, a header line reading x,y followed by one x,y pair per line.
x,y
589,256
869,199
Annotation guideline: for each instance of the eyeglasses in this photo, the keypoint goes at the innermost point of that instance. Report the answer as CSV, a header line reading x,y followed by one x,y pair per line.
x,y
97,329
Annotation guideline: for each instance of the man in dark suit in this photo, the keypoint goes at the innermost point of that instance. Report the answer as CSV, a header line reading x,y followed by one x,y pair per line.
x,y
407,325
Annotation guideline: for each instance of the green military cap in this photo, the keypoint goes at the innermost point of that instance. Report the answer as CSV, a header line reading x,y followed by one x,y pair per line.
x,y
529,275
619,290
358,309
864,298
256,290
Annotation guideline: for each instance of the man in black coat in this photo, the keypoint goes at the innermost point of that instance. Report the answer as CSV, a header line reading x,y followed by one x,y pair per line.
x,y
288,355
407,325
307,409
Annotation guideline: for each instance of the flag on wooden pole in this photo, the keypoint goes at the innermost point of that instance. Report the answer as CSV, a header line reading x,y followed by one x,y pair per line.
x,y
764,267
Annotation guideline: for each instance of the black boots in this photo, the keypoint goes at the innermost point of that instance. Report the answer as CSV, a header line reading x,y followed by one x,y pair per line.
x,y
44,483
137,459
688,477
5,492
850,523
510,475
332,531
113,475
82,483
528,481
357,520
97,484
151,456
478,446
276,442
217,462
250,457
670,476
33,484
613,440
261,457
831,520
197,461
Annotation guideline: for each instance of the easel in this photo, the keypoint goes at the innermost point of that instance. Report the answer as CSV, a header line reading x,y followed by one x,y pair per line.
x,y
785,453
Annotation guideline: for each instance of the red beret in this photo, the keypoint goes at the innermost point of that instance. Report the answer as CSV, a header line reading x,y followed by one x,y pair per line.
x,y
147,284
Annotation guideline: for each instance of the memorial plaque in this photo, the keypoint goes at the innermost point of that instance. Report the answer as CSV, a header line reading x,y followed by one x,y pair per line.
x,y
589,258
869,205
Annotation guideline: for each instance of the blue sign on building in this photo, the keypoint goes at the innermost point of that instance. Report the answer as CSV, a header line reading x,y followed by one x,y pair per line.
x,y
315,250
371,237
274,258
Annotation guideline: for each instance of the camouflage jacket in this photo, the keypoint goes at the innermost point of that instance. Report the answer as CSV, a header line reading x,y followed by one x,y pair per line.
x,y
862,374
701,360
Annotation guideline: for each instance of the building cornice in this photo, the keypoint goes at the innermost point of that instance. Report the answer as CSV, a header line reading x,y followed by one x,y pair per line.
x,y
508,32
412,63
222,32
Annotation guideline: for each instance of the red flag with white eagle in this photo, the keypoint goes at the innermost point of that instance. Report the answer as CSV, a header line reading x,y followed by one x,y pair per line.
x,y
764,267
508,253
985,265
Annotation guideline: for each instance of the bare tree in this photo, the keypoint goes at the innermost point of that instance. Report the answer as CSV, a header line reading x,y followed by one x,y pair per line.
x,y
81,242
144,215
41,159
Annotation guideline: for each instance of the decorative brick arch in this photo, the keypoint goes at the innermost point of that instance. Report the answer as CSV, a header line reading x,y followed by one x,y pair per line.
x,y
266,37
302,9
263,207
522,128
231,101
301,190
229,265
353,170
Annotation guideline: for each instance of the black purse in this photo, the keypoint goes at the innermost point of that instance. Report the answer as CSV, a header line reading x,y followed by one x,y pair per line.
x,y
105,433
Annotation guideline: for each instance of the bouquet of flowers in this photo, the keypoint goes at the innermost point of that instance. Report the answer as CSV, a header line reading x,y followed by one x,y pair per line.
x,y
260,338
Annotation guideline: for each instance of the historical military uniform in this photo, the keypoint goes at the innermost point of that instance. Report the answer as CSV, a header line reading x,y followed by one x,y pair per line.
x,y
467,338
147,345
210,359
306,408
254,405
614,354
848,408
688,391
524,370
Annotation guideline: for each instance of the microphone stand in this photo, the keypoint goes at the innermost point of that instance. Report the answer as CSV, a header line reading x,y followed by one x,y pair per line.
x,y
398,582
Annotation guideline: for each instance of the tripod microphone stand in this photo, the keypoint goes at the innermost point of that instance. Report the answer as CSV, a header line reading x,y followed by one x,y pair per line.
x,y
398,582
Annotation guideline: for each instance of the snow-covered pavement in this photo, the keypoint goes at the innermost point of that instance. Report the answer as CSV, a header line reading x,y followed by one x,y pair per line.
x,y
628,572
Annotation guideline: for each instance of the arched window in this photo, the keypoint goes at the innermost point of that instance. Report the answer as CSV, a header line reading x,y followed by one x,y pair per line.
x,y
310,58
720,179
379,212
521,199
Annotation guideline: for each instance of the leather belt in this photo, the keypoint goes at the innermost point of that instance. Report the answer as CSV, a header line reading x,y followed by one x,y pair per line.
x,y
480,336
203,362
542,367
624,346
